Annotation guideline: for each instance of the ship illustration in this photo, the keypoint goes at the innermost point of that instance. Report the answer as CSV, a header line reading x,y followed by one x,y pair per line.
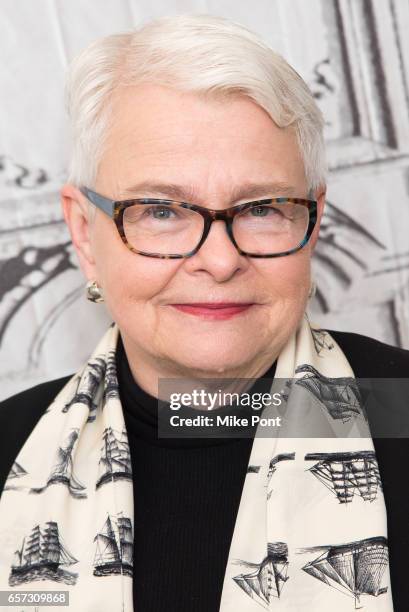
x,y
321,339
115,461
273,467
62,471
97,371
340,396
348,474
114,547
111,388
17,471
41,556
268,578
355,569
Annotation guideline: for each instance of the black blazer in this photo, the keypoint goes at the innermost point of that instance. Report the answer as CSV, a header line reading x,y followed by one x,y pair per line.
x,y
369,358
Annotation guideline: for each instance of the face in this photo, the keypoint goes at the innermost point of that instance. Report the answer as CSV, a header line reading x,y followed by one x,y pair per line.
x,y
211,147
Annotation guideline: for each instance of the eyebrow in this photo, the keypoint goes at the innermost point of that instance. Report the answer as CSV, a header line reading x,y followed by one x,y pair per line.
x,y
189,194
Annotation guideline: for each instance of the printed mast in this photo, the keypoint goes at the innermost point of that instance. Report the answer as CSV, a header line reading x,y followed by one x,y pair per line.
x,y
63,469
115,461
114,547
43,548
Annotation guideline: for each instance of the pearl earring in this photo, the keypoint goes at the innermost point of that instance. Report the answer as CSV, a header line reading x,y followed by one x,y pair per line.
x,y
93,292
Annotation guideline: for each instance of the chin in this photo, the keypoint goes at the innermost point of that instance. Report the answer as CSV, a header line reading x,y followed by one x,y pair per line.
x,y
213,360
215,370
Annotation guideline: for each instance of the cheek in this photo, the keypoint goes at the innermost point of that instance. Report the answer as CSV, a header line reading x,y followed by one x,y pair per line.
x,y
123,275
287,277
132,281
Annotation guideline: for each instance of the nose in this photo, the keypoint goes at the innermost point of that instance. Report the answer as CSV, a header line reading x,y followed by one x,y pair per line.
x,y
218,255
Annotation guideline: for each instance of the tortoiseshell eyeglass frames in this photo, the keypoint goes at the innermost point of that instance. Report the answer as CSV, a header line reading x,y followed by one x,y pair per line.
x,y
168,229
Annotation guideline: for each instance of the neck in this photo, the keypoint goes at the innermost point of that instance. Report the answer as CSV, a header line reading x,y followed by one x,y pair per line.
x,y
147,370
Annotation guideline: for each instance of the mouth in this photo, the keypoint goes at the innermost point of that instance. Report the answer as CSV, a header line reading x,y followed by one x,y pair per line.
x,y
214,310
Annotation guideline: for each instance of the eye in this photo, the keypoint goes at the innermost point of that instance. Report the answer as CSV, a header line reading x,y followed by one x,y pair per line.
x,y
262,211
159,212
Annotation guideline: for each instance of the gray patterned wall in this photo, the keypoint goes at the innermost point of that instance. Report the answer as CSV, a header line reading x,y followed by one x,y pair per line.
x,y
354,54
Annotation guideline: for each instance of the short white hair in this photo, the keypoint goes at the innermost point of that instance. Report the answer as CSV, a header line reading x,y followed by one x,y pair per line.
x,y
202,54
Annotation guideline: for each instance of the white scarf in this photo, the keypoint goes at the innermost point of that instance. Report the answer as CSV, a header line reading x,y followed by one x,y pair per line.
x,y
310,532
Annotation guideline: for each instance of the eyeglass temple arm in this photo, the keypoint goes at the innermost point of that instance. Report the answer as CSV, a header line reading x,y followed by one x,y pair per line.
x,y
100,202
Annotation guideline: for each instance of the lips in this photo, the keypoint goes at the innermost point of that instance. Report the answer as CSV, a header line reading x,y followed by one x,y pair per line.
x,y
216,304
214,310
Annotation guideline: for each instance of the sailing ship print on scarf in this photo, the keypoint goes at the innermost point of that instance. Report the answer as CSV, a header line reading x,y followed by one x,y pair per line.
x,y
269,576
42,556
356,568
340,396
100,373
307,502
62,471
347,474
115,463
114,554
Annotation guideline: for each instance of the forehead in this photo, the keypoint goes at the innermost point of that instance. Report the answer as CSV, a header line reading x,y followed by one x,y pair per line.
x,y
159,133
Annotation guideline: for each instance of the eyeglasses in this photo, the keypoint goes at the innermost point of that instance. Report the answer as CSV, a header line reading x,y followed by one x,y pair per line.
x,y
167,229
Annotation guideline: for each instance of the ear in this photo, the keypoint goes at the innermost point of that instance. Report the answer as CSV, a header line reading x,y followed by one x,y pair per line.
x,y
320,194
76,214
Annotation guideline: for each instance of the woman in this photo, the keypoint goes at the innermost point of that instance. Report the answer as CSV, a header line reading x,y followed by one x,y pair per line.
x,y
187,127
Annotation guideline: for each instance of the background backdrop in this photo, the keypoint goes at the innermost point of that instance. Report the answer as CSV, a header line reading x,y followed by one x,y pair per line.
x,y
354,55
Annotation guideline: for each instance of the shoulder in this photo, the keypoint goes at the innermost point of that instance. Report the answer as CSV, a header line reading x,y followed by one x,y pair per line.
x,y
370,357
31,401
19,414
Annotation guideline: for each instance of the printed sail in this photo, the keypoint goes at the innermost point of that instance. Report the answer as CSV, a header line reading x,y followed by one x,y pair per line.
x,y
115,461
17,471
101,370
269,577
347,474
357,567
114,547
62,471
40,557
339,396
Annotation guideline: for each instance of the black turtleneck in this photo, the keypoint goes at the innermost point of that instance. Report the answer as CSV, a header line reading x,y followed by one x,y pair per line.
x,y
186,497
